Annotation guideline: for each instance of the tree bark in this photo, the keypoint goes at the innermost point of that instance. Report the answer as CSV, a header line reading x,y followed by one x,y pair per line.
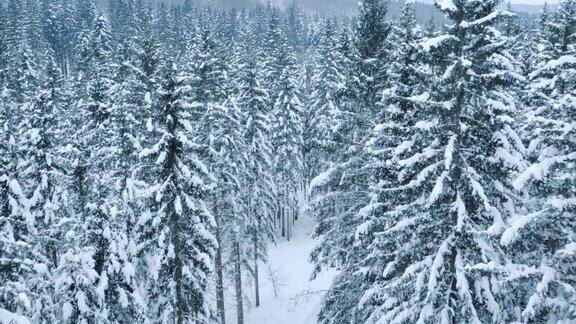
x,y
238,279
174,223
289,224
219,275
256,281
453,295
177,265
283,213
178,279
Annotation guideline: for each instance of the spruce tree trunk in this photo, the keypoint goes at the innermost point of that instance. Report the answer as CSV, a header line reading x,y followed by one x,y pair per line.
x,y
175,237
306,188
79,179
256,281
289,224
278,218
283,219
178,279
220,310
238,280
175,231
296,209
456,178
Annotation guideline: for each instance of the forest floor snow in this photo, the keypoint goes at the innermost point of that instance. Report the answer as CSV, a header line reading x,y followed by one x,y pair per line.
x,y
298,298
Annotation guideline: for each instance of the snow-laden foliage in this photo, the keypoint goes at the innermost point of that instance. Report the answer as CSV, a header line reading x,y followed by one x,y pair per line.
x,y
541,236
151,151
434,241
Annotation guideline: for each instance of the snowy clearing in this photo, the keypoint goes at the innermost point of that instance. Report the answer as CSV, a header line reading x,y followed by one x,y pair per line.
x,y
299,299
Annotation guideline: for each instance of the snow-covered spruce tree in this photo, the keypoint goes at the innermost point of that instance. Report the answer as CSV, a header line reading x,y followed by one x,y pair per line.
x,y
120,13
74,277
11,257
92,169
294,27
514,29
230,211
370,51
98,77
274,47
543,237
3,44
279,75
30,27
145,51
526,51
177,234
72,271
229,30
431,27
17,225
345,125
41,178
342,190
287,141
401,97
324,108
120,189
534,49
207,79
26,187
440,240
207,84
259,186
60,31
85,13
6,125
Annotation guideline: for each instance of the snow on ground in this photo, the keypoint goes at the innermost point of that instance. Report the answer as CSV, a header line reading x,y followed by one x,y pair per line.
x,y
299,299
7,317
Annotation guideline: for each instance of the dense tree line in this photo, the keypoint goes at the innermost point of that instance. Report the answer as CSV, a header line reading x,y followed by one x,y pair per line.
x,y
150,152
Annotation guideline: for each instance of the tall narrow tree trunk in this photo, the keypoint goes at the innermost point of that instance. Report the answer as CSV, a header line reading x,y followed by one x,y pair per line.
x,y
179,301
219,274
453,296
296,209
283,213
289,224
175,233
278,218
256,281
305,189
238,280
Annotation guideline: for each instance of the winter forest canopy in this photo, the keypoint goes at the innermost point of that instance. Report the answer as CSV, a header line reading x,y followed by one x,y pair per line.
x,y
151,155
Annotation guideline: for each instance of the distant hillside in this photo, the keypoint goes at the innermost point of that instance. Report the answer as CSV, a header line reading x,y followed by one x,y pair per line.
x,y
348,7
228,3
425,9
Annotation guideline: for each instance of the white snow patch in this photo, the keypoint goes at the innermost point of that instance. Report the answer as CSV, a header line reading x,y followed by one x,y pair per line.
x,y
540,170
321,179
421,98
487,18
299,298
434,42
449,153
512,233
7,317
447,5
